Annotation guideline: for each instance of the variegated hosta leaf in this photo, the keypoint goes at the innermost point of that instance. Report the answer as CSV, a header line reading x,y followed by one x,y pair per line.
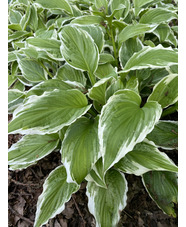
x,y
67,73
12,56
123,124
165,92
80,155
96,174
162,32
79,49
134,30
165,134
97,92
144,158
157,16
106,58
96,33
133,84
48,85
14,16
106,203
55,4
18,35
56,192
102,5
93,177
141,3
163,189
11,79
152,57
114,5
51,46
32,70
30,149
33,22
128,48
105,71
14,94
88,20
115,86
49,112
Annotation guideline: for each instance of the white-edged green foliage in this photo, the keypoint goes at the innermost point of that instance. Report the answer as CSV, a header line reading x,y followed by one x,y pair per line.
x,y
95,80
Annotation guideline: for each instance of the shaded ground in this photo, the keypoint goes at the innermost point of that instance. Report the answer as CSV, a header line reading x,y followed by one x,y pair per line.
x,y
25,186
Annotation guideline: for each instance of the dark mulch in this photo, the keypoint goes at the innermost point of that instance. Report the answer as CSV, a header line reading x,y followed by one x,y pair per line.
x,y
25,186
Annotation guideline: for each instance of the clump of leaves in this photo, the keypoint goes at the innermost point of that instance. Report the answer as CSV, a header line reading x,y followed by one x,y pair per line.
x,y
94,79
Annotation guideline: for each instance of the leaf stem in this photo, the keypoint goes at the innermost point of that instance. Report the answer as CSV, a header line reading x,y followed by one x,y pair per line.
x,y
45,68
113,42
92,112
92,78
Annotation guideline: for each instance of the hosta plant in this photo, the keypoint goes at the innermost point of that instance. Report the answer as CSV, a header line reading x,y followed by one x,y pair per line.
x,y
95,80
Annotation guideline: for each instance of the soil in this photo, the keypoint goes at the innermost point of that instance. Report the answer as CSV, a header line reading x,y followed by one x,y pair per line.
x,y
26,185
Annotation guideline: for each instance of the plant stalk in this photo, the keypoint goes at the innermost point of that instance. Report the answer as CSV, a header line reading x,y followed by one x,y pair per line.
x,y
92,78
45,68
113,42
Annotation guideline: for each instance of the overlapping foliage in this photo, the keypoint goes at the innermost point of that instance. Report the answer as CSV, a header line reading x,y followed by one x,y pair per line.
x,y
94,79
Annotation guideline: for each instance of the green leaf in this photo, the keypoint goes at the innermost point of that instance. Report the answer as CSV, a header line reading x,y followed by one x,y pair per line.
x,y
97,92
26,17
165,92
11,79
30,149
96,174
14,94
115,86
106,204
31,70
14,16
162,32
133,84
12,56
131,125
49,112
18,85
96,33
128,48
16,27
114,5
120,25
84,149
105,71
55,4
165,134
79,49
102,5
144,158
33,23
152,57
106,58
18,35
157,16
88,20
135,30
48,85
56,192
67,73
93,177
51,46
141,3
172,39
163,189
47,34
